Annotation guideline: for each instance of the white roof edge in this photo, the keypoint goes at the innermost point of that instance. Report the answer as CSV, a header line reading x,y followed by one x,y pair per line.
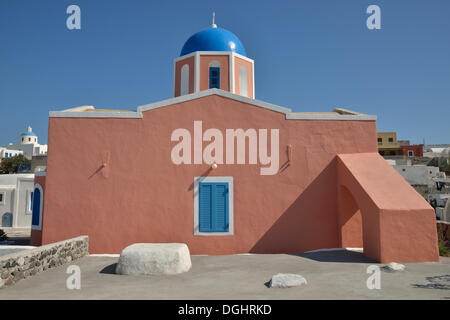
x,y
214,53
79,109
99,114
138,114
306,116
346,111
213,91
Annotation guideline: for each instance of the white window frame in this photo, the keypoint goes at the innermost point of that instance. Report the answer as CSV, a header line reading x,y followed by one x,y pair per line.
x,y
197,181
412,153
41,191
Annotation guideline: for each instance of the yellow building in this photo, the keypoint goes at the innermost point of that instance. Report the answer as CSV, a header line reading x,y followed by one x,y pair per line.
x,y
388,144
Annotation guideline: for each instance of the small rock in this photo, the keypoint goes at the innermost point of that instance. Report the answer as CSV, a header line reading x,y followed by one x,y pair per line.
x,y
20,261
287,280
393,266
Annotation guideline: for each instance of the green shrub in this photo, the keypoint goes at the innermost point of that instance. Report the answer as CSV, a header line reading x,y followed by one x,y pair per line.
x,y
3,236
443,249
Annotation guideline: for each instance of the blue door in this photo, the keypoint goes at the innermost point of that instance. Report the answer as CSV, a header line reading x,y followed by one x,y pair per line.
x,y
36,207
213,207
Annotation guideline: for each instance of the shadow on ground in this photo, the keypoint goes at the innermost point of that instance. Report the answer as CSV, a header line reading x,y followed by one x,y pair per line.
x,y
344,256
436,282
111,269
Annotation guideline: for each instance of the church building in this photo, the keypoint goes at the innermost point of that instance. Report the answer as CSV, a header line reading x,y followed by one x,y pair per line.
x,y
225,173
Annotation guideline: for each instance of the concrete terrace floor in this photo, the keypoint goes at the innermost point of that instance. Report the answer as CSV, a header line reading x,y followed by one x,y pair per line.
x,y
330,275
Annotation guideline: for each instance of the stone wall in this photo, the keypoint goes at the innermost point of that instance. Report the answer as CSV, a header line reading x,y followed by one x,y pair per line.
x,y
443,229
20,265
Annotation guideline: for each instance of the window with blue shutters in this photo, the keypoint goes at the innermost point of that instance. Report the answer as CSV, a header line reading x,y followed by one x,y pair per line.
x,y
213,207
214,77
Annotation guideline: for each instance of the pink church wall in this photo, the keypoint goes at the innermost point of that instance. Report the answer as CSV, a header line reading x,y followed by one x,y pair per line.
x,y
178,65
224,61
116,182
238,62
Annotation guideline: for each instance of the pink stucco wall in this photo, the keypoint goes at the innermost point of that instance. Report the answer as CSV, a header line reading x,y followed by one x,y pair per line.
x,y
398,224
178,65
238,62
116,182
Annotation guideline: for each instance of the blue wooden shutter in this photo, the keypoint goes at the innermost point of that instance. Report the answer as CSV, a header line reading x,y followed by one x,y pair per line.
x,y
214,77
213,207
205,209
36,207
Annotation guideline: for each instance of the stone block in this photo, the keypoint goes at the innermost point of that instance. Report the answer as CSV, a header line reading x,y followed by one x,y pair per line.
x,y
154,259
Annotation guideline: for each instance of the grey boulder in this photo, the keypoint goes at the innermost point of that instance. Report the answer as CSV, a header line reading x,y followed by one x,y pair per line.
x,y
286,280
154,259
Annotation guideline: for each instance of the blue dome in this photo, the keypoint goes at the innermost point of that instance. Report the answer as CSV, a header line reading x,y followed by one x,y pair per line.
x,y
31,133
213,39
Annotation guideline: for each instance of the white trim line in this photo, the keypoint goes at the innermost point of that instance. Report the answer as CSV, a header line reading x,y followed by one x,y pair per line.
x,y
335,249
197,73
185,56
228,180
41,191
243,57
212,91
258,103
40,173
306,116
94,114
253,76
232,84
174,76
113,255
7,246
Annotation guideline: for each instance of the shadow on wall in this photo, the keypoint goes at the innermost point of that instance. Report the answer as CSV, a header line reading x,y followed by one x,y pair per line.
x,y
310,222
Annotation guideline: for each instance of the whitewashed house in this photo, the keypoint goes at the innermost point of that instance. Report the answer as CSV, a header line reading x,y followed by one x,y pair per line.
x,y
16,205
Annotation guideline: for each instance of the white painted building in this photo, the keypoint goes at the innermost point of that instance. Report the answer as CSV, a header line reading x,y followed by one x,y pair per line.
x,y
8,153
28,144
418,174
16,194
441,152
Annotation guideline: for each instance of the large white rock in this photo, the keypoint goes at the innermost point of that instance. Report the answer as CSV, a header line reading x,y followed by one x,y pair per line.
x,y
154,259
394,266
286,280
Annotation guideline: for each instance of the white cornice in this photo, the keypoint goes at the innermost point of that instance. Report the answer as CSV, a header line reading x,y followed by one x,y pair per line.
x,y
188,97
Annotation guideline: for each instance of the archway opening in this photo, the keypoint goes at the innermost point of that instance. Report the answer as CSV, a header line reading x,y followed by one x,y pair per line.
x,y
350,220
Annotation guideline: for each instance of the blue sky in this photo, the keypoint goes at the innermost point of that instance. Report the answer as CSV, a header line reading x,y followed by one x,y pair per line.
x,y
309,56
